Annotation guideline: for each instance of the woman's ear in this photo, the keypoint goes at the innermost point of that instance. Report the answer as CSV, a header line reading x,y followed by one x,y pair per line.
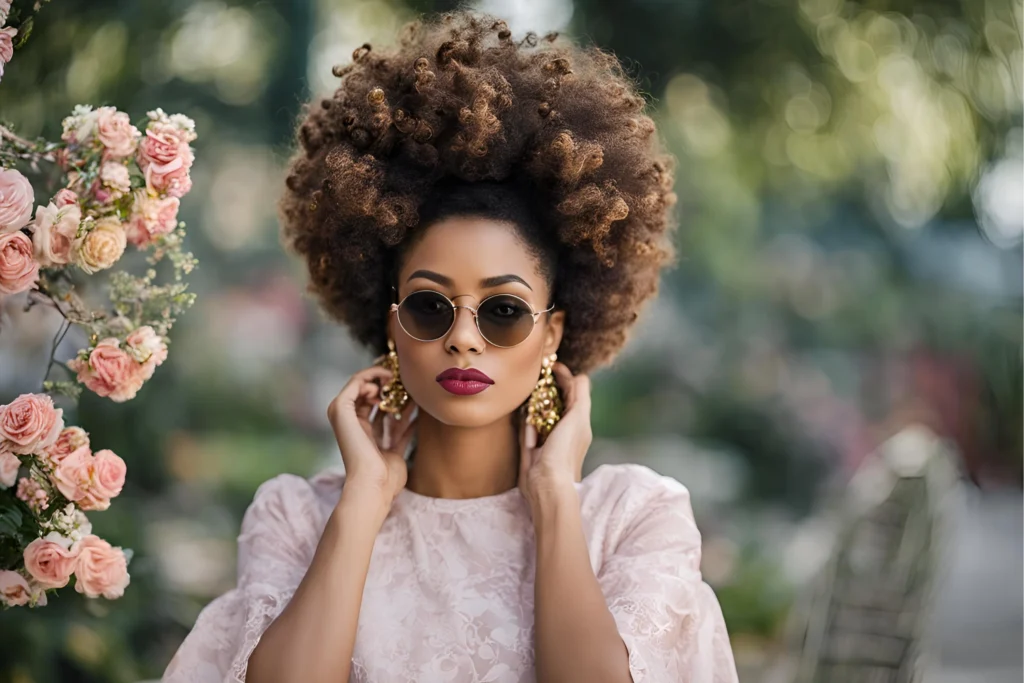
x,y
553,331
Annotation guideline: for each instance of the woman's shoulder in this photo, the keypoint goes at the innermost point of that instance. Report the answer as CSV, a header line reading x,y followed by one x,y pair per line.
x,y
632,480
289,495
624,489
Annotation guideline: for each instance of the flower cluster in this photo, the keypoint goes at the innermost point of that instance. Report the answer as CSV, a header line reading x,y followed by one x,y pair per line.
x,y
63,478
121,187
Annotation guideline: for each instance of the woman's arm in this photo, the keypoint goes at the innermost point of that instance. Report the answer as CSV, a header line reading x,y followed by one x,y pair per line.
x,y
576,636
312,639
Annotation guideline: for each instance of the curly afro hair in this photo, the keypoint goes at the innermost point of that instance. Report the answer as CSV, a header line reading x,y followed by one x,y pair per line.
x,y
461,118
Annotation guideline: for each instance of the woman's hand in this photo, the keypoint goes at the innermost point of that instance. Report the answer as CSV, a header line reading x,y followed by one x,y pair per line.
x,y
553,467
373,451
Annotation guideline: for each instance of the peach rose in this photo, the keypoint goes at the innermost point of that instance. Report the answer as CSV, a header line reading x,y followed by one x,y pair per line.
x,y
18,270
16,201
148,348
116,132
9,464
14,589
75,479
109,371
102,246
101,569
54,232
69,440
30,423
151,216
65,197
108,474
165,158
49,564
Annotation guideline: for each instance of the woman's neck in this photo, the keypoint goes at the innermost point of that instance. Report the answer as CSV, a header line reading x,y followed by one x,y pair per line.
x,y
460,462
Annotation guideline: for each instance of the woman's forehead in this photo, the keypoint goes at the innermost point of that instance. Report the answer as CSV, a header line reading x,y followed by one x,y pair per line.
x,y
468,250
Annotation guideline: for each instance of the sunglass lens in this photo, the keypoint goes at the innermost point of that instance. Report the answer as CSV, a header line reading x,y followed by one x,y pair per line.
x,y
426,315
505,320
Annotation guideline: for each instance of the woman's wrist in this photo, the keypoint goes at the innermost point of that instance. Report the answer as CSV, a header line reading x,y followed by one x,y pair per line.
x,y
362,504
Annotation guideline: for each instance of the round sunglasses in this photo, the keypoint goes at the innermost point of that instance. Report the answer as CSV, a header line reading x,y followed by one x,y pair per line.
x,y
503,320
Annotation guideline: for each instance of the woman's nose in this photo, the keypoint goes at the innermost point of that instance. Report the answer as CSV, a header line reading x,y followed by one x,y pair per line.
x,y
464,335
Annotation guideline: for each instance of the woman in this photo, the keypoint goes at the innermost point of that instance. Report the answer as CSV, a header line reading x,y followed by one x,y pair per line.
x,y
473,207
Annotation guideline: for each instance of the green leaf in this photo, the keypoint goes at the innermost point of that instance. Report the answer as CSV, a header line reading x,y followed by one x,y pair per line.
x,y
10,521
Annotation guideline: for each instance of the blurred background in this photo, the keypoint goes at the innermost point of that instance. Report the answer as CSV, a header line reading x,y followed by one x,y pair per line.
x,y
834,369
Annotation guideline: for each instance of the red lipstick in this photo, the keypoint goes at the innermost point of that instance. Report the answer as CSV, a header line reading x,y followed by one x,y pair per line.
x,y
464,382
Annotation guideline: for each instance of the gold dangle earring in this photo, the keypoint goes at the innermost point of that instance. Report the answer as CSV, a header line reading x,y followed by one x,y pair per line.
x,y
545,406
393,396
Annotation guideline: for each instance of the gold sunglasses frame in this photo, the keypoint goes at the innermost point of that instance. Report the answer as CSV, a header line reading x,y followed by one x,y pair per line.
x,y
476,317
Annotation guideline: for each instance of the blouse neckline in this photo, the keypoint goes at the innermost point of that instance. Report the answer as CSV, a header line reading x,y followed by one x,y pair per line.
x,y
504,500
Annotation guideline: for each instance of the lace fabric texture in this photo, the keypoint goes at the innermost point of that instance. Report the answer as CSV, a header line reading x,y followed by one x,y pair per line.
x,y
450,589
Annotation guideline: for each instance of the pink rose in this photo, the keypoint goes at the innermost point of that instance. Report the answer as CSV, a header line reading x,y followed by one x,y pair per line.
x,y
7,43
9,464
165,158
16,201
14,589
108,474
75,478
101,569
18,270
65,197
5,8
30,423
147,348
151,216
69,440
50,564
116,132
54,232
109,371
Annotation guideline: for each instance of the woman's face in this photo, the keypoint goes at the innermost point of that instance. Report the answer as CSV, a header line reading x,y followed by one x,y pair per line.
x,y
456,257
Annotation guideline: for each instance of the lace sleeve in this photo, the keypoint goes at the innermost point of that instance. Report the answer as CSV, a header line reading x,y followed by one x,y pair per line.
x,y
667,615
275,547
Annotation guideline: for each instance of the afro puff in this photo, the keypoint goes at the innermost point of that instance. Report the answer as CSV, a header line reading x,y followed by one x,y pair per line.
x,y
458,101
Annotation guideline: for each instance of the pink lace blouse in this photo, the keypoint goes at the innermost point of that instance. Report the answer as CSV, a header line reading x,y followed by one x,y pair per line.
x,y
449,594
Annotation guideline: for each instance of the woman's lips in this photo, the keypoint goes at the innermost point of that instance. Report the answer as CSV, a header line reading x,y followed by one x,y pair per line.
x,y
464,382
462,387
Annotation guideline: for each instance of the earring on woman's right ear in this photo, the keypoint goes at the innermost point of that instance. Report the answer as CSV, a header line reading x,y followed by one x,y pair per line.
x,y
545,406
393,395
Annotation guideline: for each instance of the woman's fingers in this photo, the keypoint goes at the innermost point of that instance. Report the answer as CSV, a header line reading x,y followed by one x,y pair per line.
x,y
369,396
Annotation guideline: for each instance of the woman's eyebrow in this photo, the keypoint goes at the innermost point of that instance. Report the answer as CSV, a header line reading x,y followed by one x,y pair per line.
x,y
485,283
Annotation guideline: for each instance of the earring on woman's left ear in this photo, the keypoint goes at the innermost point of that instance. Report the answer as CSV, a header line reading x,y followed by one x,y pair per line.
x,y
393,395
545,406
